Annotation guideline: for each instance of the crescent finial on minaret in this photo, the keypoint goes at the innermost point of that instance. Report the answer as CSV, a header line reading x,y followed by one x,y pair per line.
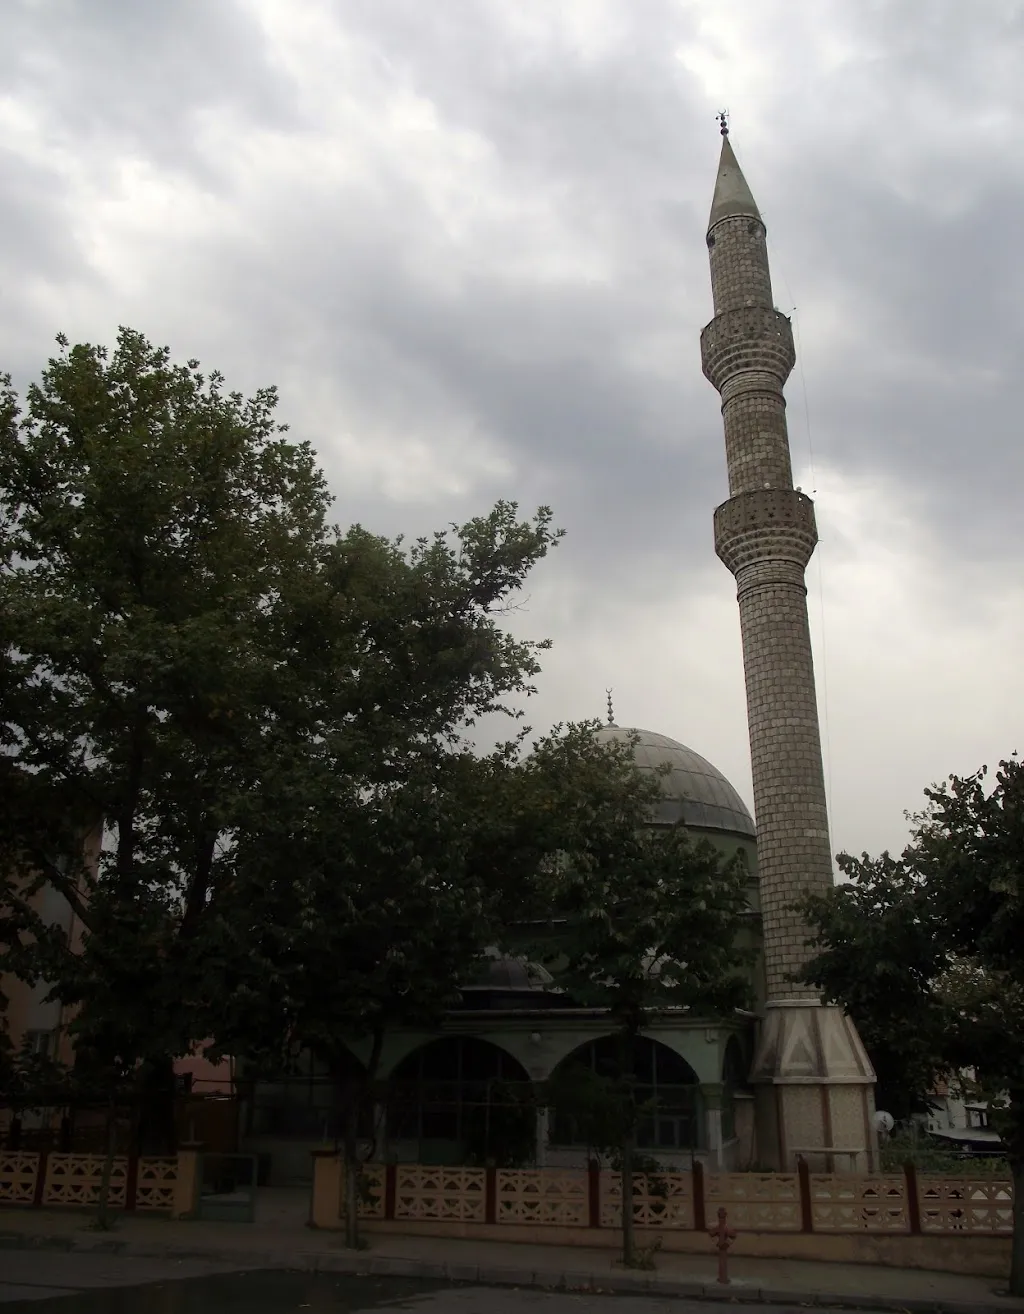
x,y
723,122
611,714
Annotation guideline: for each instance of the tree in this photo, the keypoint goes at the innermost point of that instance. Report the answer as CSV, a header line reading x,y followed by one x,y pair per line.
x,y
924,951
335,932
368,914
156,541
881,953
642,921
186,643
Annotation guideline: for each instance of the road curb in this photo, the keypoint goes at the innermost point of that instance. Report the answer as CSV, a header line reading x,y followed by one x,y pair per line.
x,y
363,1263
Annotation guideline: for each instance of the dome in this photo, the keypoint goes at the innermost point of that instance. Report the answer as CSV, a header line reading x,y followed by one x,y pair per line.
x,y
693,791
503,972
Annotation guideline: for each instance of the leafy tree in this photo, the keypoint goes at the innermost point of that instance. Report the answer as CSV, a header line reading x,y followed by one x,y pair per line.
x,y
189,652
924,951
368,914
29,1080
156,544
881,953
642,921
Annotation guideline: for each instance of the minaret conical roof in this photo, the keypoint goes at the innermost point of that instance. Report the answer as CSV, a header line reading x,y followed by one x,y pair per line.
x,y
732,195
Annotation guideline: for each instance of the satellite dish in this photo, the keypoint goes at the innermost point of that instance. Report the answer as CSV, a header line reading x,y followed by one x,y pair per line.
x,y
884,1122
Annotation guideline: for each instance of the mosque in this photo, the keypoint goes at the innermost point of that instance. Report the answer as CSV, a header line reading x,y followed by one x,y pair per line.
x,y
789,1080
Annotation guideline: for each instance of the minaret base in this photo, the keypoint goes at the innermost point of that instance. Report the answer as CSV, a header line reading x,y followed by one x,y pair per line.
x,y
814,1090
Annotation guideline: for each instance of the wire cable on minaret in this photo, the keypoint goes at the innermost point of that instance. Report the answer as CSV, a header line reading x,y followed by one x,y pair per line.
x,y
778,264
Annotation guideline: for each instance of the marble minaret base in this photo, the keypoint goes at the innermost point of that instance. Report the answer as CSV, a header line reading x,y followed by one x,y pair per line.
x,y
814,1090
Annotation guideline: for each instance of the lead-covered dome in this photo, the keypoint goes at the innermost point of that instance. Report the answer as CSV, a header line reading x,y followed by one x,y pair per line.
x,y
693,791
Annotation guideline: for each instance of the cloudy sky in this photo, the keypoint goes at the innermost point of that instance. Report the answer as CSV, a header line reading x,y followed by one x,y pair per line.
x,y
466,239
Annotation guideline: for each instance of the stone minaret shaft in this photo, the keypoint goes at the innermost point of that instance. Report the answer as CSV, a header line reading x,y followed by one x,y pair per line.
x,y
765,533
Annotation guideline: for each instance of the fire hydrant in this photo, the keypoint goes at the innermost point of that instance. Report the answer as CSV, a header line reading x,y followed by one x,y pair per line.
x,y
723,1236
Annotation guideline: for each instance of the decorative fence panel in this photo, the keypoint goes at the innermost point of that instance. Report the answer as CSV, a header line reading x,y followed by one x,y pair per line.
x,y
457,1194
154,1183
372,1179
75,1179
965,1204
756,1202
19,1176
659,1200
852,1203
542,1195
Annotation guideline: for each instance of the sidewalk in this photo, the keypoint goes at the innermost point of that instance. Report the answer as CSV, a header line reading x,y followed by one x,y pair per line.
x,y
279,1239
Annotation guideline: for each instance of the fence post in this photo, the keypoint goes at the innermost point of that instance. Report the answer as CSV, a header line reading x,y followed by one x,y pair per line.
x,y
131,1185
806,1211
37,1198
390,1188
699,1215
490,1195
913,1199
188,1184
594,1193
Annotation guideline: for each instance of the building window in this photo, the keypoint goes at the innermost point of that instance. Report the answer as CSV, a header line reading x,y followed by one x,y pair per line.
x,y
663,1087
464,1100
304,1103
42,1043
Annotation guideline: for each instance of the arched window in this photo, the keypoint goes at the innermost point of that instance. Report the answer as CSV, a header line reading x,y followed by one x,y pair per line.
x,y
465,1101
304,1102
663,1087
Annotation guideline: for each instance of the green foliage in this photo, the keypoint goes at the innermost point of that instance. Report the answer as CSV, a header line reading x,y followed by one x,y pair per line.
x,y
29,1079
879,954
243,694
640,920
925,952
647,920
927,1156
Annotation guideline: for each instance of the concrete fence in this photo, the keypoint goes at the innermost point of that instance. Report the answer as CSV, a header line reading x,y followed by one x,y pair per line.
x,y
46,1179
801,1202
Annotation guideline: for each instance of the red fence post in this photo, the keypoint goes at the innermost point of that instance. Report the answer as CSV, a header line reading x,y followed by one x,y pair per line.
x,y
594,1193
723,1236
490,1195
699,1216
37,1199
390,1187
131,1186
913,1199
806,1210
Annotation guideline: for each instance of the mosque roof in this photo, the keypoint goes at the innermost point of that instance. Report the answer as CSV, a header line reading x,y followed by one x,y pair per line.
x,y
693,791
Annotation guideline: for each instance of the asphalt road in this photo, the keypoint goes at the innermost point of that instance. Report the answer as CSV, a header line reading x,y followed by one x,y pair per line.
x,y
38,1282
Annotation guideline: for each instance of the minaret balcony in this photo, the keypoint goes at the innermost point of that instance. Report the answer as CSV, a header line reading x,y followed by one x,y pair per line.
x,y
747,338
765,524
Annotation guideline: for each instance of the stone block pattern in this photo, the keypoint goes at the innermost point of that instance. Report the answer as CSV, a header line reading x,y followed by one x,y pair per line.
x,y
739,263
765,534
793,849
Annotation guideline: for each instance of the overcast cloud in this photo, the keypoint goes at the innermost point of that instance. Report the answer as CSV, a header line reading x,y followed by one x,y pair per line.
x,y
466,239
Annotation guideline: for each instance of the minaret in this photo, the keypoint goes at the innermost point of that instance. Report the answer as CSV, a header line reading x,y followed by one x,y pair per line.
x,y
813,1078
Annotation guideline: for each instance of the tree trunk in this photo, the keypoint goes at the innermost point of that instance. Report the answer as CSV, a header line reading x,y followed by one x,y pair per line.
x,y
103,1219
628,1225
1017,1244
350,1169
